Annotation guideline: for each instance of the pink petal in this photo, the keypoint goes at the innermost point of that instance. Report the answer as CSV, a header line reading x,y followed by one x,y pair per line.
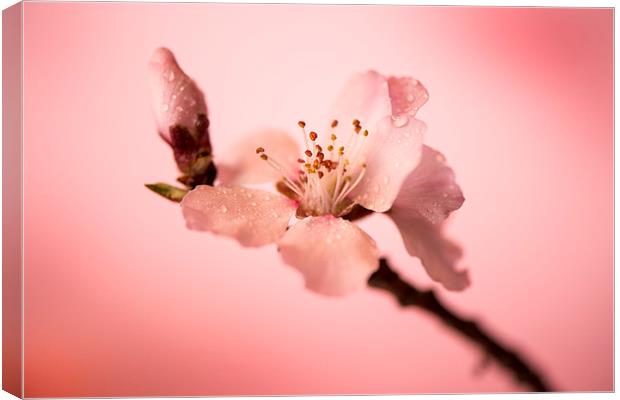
x,y
244,166
394,150
369,97
407,95
176,98
365,97
253,217
430,191
334,256
438,255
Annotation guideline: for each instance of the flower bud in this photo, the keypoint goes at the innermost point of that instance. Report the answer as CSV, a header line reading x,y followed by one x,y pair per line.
x,y
181,116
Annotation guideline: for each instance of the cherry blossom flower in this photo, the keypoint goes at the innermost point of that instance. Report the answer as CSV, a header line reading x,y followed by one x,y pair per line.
x,y
370,157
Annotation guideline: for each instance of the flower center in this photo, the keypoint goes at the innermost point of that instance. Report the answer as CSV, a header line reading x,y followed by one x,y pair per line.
x,y
326,176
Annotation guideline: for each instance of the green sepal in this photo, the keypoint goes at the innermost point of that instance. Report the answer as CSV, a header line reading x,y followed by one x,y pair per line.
x,y
168,191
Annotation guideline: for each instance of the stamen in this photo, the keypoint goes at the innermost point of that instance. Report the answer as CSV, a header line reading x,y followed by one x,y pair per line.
x,y
264,157
352,186
260,150
341,174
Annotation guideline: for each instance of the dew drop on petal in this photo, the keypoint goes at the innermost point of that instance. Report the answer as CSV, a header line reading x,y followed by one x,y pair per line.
x,y
164,107
223,209
171,76
400,120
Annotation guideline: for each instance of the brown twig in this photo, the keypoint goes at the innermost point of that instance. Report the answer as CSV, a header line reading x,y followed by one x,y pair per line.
x,y
407,295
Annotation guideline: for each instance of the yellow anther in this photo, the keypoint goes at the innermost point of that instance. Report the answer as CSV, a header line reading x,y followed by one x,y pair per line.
x,y
260,150
301,124
365,132
264,157
334,123
334,137
313,136
330,148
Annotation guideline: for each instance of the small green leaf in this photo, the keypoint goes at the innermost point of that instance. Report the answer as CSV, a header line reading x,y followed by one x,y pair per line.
x,y
168,191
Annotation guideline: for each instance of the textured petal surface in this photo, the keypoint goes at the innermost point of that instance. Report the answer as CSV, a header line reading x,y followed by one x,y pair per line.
x,y
365,97
407,95
244,166
176,98
253,217
430,191
393,151
334,256
438,255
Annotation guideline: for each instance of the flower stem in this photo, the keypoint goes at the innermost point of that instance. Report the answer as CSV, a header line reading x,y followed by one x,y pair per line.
x,y
409,296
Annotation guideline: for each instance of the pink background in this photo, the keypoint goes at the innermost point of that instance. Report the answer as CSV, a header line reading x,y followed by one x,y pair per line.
x,y
121,299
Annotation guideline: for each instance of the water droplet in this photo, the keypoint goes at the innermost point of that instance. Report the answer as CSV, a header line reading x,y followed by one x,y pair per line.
x,y
171,76
338,236
400,120
386,180
376,188
253,204
164,107
445,195
182,88
410,97
223,209
179,109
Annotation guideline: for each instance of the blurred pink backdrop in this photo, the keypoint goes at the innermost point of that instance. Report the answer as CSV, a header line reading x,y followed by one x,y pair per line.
x,y
122,299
